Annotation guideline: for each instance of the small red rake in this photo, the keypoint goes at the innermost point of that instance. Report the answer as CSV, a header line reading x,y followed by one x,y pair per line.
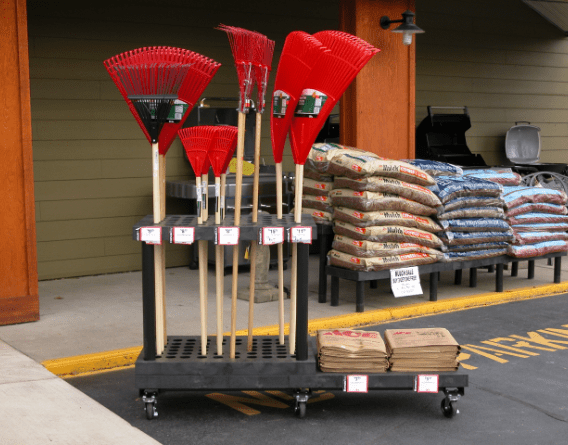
x,y
153,81
220,154
326,83
300,52
197,142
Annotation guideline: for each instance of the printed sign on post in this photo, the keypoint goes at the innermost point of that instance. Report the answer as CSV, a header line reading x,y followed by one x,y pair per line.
x,y
301,235
405,282
228,236
151,235
356,383
183,235
426,383
272,235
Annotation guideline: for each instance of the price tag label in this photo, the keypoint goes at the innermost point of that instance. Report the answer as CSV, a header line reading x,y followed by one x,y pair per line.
x,y
183,235
356,383
272,235
228,236
426,383
301,235
151,235
405,282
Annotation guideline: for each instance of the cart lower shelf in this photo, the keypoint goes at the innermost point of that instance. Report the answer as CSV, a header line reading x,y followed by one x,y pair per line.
x,y
268,366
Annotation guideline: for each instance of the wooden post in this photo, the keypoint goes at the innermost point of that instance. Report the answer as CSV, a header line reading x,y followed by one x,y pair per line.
x,y
377,111
19,300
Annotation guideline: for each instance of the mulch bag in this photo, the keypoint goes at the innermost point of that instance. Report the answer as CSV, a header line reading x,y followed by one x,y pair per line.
x,y
531,207
317,176
516,196
535,218
385,218
471,201
317,202
388,234
321,155
312,187
367,249
543,227
353,262
389,185
539,249
473,255
479,246
436,168
522,238
455,187
363,165
475,225
473,212
372,201
504,176
320,216
461,238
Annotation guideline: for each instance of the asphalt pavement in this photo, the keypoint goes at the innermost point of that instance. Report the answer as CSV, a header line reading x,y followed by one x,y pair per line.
x,y
515,354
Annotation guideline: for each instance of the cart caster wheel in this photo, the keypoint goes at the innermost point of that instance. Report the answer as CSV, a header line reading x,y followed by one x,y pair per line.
x,y
151,411
448,409
301,409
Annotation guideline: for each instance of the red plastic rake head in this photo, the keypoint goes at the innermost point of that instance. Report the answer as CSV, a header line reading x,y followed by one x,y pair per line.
x,y
196,142
153,80
327,81
223,148
263,52
301,51
242,43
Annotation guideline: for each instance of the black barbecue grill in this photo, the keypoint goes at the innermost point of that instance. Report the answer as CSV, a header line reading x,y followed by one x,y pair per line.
x,y
441,137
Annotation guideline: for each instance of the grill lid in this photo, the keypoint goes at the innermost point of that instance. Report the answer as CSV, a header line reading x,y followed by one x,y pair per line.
x,y
522,143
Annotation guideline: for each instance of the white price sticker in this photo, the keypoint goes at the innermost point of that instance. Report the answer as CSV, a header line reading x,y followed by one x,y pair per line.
x,y
272,235
357,383
301,235
151,235
183,235
228,236
405,282
427,383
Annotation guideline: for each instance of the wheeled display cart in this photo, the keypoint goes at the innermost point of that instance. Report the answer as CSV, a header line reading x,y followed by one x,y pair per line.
x,y
269,365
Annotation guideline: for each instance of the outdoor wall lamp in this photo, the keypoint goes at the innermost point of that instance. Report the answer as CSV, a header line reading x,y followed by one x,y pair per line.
x,y
407,28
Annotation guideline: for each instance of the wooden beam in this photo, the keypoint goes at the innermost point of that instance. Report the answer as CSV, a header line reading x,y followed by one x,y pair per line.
x,y
19,300
377,111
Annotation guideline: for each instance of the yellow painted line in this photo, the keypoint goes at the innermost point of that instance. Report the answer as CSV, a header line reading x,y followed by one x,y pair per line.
x,y
90,363
103,361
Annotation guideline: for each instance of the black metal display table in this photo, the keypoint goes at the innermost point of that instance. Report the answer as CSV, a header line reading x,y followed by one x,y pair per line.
x,y
434,270
268,365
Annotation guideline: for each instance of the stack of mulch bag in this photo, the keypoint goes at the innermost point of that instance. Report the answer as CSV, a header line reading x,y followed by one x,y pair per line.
x,y
351,351
318,183
539,220
382,212
471,215
422,350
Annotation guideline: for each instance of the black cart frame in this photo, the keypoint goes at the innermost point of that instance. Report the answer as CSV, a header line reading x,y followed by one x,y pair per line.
x,y
269,365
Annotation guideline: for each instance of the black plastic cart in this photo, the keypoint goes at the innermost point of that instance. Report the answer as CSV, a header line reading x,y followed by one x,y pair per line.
x,y
269,365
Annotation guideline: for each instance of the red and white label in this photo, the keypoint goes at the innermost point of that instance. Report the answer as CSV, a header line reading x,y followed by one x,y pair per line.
x,y
183,235
272,235
357,383
427,383
151,235
301,235
228,236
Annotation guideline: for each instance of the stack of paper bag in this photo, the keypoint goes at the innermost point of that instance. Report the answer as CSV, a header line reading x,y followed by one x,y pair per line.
x,y
350,351
417,350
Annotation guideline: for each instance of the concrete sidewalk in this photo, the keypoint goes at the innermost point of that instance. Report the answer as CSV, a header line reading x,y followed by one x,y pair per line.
x,y
39,408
